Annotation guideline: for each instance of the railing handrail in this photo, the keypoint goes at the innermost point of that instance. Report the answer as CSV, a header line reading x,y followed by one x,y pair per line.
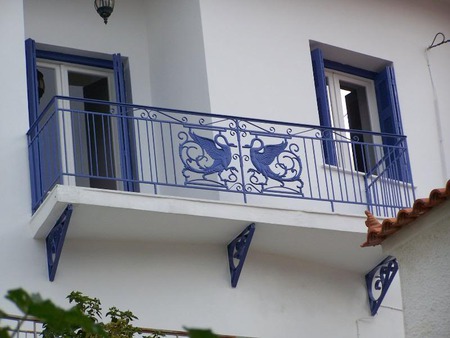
x,y
204,114
192,145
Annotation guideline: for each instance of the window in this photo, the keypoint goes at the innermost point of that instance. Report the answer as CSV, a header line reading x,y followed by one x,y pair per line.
x,y
355,99
70,73
114,63
353,106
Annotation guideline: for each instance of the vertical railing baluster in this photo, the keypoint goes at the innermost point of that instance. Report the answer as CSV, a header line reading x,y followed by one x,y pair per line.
x,y
56,148
173,155
112,121
64,136
103,135
137,128
340,165
352,150
163,144
149,148
155,159
89,143
77,143
241,160
369,170
325,165
305,151
331,184
347,145
94,130
319,188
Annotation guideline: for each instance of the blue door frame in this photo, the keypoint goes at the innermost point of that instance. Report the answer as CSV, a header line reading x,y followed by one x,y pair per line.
x,y
116,64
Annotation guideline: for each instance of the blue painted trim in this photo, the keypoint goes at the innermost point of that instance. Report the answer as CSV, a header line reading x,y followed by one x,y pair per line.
x,y
119,79
81,60
380,279
55,241
124,136
238,249
349,69
390,120
32,86
329,147
33,104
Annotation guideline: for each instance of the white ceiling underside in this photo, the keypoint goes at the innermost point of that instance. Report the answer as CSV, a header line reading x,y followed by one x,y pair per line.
x,y
113,215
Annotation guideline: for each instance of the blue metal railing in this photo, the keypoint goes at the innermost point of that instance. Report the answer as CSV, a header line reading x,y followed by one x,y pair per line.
x,y
162,151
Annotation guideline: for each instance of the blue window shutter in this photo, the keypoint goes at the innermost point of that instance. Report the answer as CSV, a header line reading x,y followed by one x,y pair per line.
x,y
124,128
322,105
33,106
391,123
32,87
119,79
388,107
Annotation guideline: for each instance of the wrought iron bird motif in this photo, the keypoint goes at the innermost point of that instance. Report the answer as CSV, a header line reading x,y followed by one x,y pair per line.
x,y
267,158
218,149
263,156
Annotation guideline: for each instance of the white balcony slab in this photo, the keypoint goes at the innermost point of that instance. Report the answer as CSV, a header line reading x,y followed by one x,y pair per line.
x,y
322,237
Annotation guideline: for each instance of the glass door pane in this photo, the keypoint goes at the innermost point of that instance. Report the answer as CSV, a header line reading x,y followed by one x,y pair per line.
x,y
93,131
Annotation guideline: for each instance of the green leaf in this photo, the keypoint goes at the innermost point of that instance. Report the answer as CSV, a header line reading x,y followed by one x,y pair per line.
x,y
87,305
200,333
4,333
57,320
21,298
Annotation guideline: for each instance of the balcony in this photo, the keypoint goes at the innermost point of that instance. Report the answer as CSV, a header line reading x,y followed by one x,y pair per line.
x,y
134,148
202,178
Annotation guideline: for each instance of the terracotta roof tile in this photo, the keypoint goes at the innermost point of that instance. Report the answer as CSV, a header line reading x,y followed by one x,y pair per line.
x,y
377,232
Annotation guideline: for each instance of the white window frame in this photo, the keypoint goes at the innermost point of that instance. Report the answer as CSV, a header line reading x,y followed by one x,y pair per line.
x,y
62,70
337,110
335,99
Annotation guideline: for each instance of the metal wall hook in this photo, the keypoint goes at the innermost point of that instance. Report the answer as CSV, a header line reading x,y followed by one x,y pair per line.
x,y
435,44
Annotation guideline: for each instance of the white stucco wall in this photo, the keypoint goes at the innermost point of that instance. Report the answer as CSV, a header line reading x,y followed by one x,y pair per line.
x,y
171,286
75,24
252,59
424,259
256,63
438,61
177,56
14,183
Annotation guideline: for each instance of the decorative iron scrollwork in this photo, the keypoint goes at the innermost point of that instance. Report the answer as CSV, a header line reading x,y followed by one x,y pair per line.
x,y
378,281
276,162
202,157
55,241
237,252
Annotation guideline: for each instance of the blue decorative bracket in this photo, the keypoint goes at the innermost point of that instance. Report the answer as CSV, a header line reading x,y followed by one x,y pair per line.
x,y
378,281
55,241
237,251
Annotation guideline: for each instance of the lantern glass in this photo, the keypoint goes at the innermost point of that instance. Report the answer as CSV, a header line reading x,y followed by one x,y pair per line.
x,y
104,8
41,84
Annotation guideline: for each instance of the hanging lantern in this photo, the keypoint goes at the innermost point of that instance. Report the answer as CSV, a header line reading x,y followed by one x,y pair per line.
x,y
41,84
104,8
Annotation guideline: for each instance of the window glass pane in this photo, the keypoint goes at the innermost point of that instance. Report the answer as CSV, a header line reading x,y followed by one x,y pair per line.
x,y
330,105
49,80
